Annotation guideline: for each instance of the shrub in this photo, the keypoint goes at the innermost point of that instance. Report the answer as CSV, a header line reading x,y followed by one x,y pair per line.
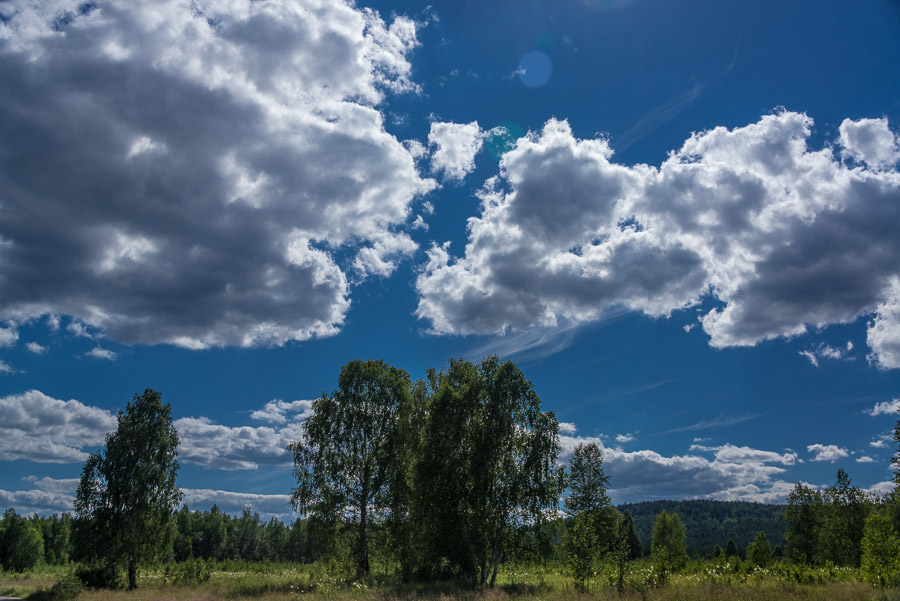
x,y
67,588
98,575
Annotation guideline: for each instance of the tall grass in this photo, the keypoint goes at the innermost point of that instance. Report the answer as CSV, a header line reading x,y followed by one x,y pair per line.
x,y
700,581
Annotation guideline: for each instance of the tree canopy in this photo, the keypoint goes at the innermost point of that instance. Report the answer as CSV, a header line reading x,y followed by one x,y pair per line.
x,y
127,491
345,462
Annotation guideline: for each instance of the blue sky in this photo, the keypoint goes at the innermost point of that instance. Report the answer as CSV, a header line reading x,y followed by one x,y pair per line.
x,y
679,218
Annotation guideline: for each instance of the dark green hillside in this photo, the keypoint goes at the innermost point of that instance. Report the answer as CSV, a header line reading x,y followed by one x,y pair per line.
x,y
711,523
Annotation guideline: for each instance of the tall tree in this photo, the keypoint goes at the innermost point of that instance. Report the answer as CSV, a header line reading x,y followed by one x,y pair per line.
x,y
635,548
488,464
803,517
587,481
880,563
668,550
346,459
895,460
127,493
595,519
844,517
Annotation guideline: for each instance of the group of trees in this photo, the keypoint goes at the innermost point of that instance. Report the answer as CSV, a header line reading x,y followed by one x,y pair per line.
x,y
445,477
24,543
449,470
843,525
215,535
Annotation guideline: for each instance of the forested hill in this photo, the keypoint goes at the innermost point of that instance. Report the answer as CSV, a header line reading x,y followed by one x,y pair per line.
x,y
711,523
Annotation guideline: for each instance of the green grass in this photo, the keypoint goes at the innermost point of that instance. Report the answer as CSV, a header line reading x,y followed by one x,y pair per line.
x,y
699,581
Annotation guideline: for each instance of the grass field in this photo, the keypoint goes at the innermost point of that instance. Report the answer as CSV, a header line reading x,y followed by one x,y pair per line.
x,y
292,582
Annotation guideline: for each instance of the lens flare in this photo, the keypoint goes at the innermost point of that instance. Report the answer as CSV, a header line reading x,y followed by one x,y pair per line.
x,y
535,69
502,138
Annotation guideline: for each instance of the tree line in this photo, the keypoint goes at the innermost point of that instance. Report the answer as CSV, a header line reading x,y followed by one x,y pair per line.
x,y
447,477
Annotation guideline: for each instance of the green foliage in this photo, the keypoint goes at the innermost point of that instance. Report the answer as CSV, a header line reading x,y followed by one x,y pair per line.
x,y
346,460
895,460
594,526
587,481
803,516
759,552
581,547
827,526
731,549
711,523
67,588
668,551
635,548
488,464
98,574
192,571
881,551
127,491
843,523
21,543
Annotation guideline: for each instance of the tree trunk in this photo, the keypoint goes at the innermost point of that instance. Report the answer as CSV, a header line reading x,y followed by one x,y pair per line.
x,y
132,572
362,558
495,560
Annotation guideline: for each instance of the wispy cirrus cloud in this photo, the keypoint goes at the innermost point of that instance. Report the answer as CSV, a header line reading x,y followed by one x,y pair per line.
x,y
723,421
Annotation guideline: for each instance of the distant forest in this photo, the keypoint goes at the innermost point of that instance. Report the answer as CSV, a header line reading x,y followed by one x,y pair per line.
x,y
711,523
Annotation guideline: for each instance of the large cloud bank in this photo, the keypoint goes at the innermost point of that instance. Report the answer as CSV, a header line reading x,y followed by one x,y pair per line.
x,y
187,172
784,237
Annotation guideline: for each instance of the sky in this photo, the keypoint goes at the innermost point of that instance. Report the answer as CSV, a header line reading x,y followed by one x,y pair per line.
x,y
680,218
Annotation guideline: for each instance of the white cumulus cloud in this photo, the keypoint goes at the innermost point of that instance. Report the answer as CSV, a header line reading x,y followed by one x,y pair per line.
x,y
783,236
885,408
567,427
219,168
457,144
277,411
102,353
36,427
56,495
9,335
870,141
883,335
827,452
733,473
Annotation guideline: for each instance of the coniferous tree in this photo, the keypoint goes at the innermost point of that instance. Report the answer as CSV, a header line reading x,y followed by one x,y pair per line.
x,y
635,548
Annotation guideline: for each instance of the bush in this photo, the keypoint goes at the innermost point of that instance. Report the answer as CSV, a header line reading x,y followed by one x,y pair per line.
x,y
98,575
67,588
192,571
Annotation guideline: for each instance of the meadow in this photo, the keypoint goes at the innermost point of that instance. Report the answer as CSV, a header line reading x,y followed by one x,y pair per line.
x,y
710,580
